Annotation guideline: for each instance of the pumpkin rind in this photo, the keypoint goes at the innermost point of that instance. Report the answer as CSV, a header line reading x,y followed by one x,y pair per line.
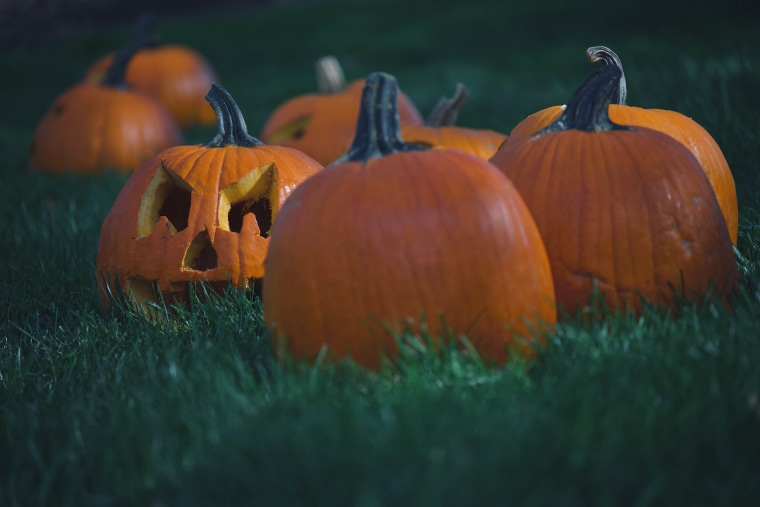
x,y
680,127
393,233
93,127
175,75
439,129
170,223
626,209
322,124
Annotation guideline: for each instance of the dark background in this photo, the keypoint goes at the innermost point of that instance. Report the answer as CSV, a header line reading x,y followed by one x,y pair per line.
x,y
39,22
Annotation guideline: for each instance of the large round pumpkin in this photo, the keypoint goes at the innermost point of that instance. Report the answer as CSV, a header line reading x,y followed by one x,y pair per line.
x,y
439,129
199,212
395,233
322,124
682,128
624,210
176,75
96,126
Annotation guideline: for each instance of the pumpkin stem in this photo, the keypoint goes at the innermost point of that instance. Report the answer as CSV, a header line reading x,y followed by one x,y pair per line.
x,y
446,111
378,130
144,30
587,109
330,77
116,72
608,56
232,128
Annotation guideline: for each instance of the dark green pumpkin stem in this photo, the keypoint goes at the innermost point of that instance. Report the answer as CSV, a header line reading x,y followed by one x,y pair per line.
x,y
232,128
378,131
587,109
142,37
608,56
446,111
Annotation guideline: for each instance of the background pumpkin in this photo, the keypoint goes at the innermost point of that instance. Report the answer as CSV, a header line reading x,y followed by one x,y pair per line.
x,y
198,212
396,231
439,129
626,209
682,128
95,126
176,75
322,124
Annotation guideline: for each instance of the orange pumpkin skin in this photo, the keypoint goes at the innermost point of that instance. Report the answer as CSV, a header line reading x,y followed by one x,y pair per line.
x,y
175,75
380,242
192,213
322,125
680,127
482,143
93,127
630,210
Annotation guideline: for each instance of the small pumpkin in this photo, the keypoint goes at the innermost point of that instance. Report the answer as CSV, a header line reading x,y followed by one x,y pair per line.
x,y
625,209
393,231
176,75
96,126
322,124
439,129
682,128
199,212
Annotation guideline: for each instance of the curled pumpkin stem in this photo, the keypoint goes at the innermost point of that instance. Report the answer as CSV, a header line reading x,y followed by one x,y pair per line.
x,y
232,127
378,130
608,56
330,77
446,111
587,109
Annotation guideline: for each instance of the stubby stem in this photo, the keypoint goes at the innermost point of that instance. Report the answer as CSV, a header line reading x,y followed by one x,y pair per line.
x,y
608,56
587,109
446,111
378,131
232,128
330,78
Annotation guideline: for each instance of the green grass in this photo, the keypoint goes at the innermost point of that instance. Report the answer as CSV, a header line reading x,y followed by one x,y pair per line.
x,y
106,409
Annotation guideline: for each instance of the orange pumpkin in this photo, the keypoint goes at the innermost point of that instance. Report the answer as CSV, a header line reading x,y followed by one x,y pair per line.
x,y
682,128
93,127
198,212
176,75
322,124
439,130
395,231
626,209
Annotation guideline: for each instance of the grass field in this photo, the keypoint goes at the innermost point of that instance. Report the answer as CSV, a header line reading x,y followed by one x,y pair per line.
x,y
104,409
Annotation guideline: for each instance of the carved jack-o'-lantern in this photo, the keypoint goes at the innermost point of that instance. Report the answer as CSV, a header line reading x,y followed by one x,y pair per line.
x,y
198,212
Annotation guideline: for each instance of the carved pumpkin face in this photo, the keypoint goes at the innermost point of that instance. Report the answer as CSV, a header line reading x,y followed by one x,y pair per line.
x,y
198,213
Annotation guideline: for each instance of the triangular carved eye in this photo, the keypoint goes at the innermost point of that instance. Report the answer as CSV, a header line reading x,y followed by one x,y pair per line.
x,y
200,255
167,196
250,194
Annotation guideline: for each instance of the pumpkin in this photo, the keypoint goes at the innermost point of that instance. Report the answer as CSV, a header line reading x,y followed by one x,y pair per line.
x,y
93,127
439,129
200,212
624,210
322,124
682,128
397,236
176,75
